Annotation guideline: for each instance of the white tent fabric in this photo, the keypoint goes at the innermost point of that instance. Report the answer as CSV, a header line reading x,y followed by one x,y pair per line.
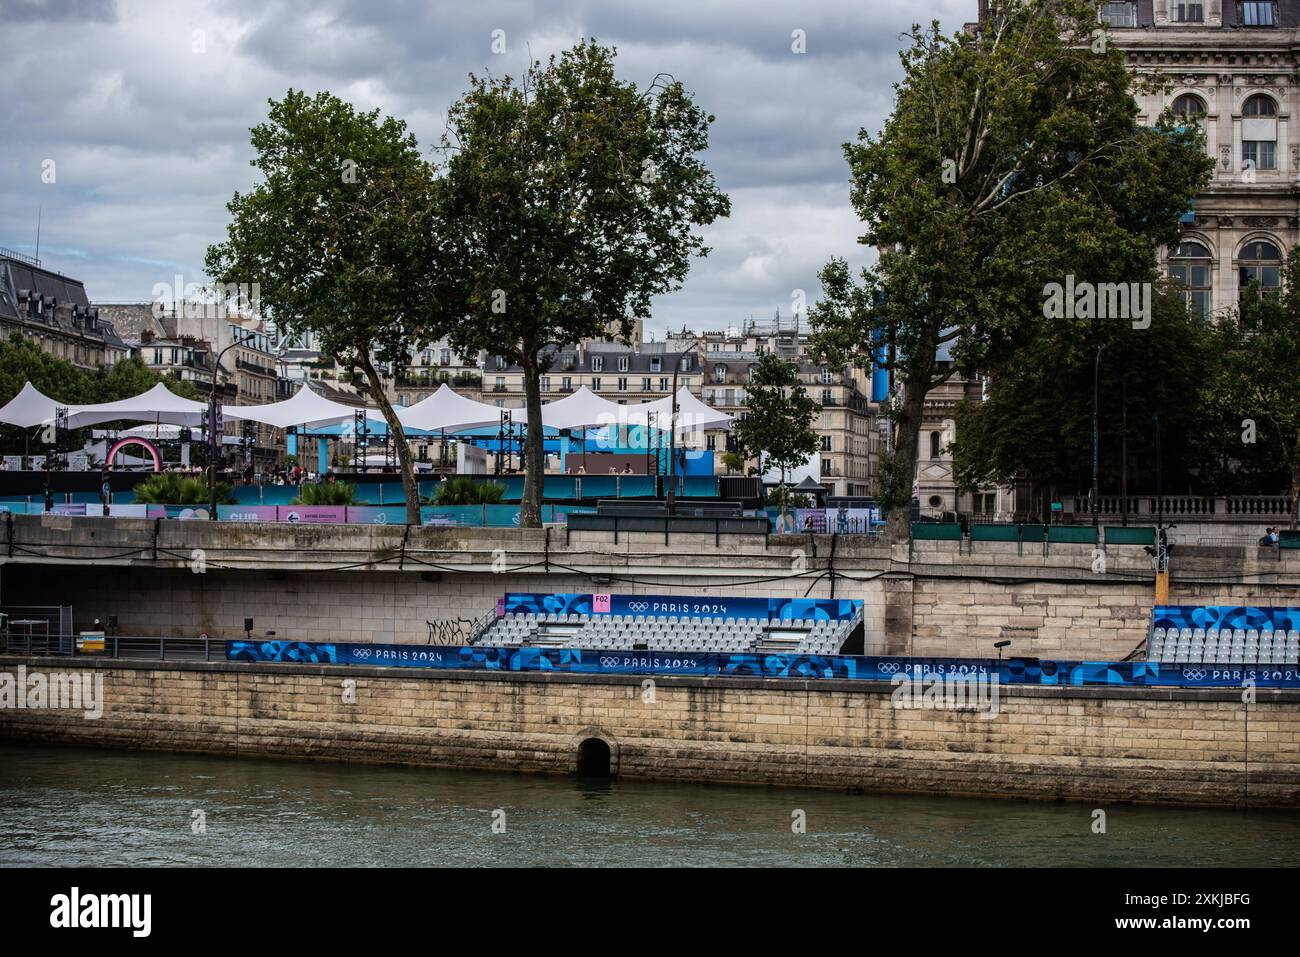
x,y
159,405
306,408
691,413
28,408
449,411
586,409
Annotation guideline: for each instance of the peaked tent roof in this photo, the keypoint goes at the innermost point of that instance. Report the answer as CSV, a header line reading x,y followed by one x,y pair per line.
x,y
691,412
449,411
158,404
305,408
586,409
28,408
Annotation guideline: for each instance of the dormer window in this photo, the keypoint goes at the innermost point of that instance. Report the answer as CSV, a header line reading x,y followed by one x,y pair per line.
x,y
1118,14
597,363
1188,11
622,363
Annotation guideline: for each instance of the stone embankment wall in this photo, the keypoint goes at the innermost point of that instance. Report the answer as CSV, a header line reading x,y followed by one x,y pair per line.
x,y
1093,744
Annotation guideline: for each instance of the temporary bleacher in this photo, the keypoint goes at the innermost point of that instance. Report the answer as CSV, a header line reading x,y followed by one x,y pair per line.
x,y
668,632
1229,636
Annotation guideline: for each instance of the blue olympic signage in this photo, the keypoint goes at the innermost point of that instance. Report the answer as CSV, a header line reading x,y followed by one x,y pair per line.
x,y
1016,671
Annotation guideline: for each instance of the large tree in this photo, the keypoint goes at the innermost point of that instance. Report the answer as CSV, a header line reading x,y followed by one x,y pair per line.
x,y
339,237
1013,160
777,428
1256,386
1035,425
569,200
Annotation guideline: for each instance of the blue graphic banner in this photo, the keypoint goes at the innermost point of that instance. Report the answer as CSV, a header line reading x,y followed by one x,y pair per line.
x,y
1225,616
689,606
1016,671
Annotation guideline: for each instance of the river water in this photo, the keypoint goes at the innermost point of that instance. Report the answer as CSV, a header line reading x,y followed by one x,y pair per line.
x,y
68,807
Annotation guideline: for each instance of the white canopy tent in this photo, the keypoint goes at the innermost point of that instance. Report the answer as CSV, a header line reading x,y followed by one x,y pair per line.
x,y
30,407
305,409
586,409
159,405
449,411
692,414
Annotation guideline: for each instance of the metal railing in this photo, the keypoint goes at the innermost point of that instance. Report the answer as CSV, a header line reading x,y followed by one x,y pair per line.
x,y
117,646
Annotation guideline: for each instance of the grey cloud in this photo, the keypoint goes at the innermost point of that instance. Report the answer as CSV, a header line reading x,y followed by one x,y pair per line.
x,y
151,137
19,11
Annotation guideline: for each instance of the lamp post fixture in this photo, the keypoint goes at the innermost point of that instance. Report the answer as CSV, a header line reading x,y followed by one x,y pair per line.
x,y
672,432
1096,369
213,438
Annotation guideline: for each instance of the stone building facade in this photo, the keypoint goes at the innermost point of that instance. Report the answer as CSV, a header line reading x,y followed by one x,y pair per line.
x,y
1233,66
52,312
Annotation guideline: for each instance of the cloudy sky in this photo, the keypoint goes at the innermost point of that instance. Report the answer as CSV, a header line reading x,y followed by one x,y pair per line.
x,y
144,109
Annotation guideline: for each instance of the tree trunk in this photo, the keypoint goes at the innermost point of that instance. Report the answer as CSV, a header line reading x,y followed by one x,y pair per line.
x,y
907,440
1295,485
530,507
409,486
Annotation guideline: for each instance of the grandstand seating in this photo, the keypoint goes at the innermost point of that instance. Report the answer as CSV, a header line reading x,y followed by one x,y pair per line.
x,y
1236,646
670,633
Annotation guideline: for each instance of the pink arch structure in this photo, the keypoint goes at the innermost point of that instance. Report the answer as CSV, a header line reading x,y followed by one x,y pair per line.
x,y
132,440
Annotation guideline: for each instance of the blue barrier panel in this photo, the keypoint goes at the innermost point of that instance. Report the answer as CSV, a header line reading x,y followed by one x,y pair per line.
x,y
471,515
598,486
20,508
376,514
919,673
558,486
513,485
269,494
700,486
1210,617
636,486
501,516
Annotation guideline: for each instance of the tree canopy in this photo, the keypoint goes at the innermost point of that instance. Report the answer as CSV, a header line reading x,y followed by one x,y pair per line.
x,y
339,236
570,199
1013,160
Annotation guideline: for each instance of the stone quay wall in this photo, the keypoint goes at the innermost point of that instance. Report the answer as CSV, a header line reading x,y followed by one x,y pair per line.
x,y
1088,744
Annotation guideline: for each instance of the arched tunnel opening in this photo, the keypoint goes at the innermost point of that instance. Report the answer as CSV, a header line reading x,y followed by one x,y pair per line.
x,y
593,759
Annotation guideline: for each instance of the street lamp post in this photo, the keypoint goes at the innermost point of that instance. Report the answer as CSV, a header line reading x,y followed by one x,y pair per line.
x,y
672,433
1096,369
213,438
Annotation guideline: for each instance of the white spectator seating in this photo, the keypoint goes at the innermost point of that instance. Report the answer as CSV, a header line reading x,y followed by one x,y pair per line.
x,y
1226,647
627,632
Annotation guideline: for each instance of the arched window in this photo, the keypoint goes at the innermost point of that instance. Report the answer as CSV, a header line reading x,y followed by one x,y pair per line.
x,y
1259,105
1260,262
1190,265
1259,132
1189,106
934,445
